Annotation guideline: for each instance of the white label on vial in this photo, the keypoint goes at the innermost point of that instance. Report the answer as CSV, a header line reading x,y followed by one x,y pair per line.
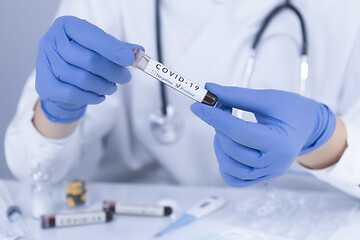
x,y
79,219
174,80
142,210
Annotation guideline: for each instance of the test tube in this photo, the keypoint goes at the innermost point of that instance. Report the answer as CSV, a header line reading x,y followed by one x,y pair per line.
x,y
75,219
174,80
136,209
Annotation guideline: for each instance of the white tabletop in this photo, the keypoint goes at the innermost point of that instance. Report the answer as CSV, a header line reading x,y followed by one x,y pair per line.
x,y
274,210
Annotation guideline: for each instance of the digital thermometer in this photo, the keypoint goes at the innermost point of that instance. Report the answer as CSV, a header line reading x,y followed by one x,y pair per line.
x,y
199,210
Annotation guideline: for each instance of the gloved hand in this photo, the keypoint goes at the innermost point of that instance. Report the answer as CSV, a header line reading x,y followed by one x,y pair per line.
x,y
78,64
252,153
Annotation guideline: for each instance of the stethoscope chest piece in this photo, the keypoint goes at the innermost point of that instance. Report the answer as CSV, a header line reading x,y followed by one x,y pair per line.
x,y
167,128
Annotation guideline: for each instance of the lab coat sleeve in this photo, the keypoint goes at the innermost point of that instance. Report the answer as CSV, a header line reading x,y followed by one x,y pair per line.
x,y
26,149
345,175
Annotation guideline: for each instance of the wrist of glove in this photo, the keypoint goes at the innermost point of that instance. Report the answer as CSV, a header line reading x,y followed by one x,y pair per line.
x,y
324,127
62,112
287,125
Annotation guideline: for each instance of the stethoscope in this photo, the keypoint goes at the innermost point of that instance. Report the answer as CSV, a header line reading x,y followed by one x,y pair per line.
x,y
167,125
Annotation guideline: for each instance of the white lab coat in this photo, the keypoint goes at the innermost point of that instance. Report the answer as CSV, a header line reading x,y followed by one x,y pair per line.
x,y
206,41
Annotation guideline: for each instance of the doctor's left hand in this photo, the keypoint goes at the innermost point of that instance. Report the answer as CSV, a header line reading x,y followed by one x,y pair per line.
x,y
287,125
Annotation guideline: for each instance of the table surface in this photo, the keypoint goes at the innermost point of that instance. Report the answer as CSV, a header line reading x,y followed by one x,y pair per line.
x,y
232,217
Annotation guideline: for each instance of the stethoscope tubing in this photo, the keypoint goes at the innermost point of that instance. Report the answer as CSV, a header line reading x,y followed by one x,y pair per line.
x,y
164,100
251,61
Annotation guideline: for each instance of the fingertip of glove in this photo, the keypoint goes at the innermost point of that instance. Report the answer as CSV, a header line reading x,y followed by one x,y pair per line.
x,y
196,108
126,56
127,53
127,77
135,46
212,87
113,89
99,99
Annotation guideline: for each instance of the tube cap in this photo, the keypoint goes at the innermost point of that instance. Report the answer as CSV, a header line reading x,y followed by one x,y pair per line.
x,y
109,216
210,99
167,211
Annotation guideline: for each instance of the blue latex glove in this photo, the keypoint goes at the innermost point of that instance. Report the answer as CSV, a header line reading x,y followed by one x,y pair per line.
x,y
252,153
78,64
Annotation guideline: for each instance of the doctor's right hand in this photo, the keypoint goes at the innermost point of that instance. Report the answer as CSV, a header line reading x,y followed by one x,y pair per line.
x,y
288,125
78,64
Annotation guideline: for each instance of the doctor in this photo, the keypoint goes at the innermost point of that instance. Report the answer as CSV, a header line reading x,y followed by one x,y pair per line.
x,y
72,116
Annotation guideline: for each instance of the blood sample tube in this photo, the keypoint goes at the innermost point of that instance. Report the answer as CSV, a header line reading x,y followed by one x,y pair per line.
x,y
75,219
174,80
136,209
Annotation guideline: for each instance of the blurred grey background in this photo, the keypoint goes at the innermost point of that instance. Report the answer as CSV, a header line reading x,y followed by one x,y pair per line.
x,y
22,23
